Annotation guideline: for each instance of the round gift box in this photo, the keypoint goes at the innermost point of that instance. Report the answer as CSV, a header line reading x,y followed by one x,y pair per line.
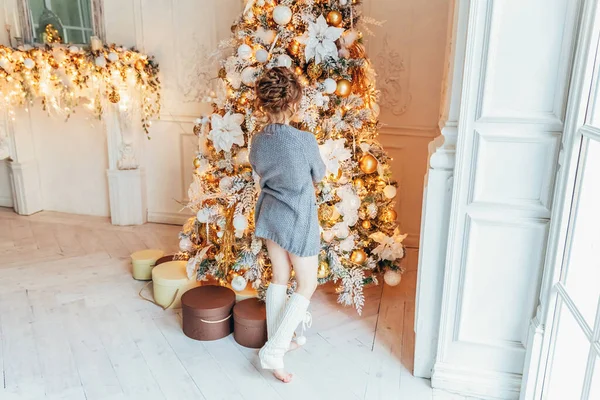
x,y
170,282
250,323
207,312
165,259
142,263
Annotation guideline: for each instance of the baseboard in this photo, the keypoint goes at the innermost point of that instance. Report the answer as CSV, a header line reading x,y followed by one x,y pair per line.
x,y
6,201
475,383
168,218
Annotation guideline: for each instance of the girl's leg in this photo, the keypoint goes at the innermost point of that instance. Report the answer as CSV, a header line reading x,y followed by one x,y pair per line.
x,y
271,355
277,291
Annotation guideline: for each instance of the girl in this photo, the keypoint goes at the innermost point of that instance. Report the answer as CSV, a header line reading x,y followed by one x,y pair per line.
x,y
288,162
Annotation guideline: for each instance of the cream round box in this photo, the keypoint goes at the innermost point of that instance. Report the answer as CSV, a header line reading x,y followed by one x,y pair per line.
x,y
170,282
143,261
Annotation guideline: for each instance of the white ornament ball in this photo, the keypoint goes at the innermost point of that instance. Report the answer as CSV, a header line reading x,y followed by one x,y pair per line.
x,y
329,86
328,236
260,3
389,192
74,49
100,61
392,278
112,56
285,61
28,63
203,215
249,76
376,110
240,222
225,183
301,340
244,51
220,234
344,53
282,15
342,232
261,55
343,2
185,244
239,283
241,158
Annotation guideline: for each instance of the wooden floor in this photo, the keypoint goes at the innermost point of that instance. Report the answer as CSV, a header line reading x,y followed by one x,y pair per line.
x,y
73,327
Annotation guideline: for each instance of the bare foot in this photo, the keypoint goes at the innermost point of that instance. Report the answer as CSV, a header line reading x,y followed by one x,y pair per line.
x,y
293,346
283,376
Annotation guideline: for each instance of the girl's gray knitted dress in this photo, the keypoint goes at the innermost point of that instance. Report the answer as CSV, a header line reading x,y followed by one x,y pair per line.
x,y
288,161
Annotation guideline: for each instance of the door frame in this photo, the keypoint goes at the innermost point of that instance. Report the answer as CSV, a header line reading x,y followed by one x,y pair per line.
x,y
539,348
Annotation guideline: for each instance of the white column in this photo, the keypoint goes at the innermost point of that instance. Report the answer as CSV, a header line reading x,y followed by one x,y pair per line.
x,y
518,57
437,198
23,166
126,180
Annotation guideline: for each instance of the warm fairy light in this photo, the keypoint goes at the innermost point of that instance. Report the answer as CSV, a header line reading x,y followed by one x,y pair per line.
x,y
82,73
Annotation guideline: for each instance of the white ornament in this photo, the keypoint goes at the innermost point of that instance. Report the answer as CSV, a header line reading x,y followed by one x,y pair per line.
x,y
392,278
329,86
283,60
190,267
333,152
241,158
203,215
390,247
265,35
100,61
376,110
341,230
347,244
220,234
244,51
239,283
225,183
185,244
261,55
328,235
249,76
282,15
343,2
320,40
226,131
28,63
112,56
344,53
349,204
59,54
240,222
74,49
389,192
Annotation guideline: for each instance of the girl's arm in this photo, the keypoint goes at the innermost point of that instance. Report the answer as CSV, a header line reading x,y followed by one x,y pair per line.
x,y
317,166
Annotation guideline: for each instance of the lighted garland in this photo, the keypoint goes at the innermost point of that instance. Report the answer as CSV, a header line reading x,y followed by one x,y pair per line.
x,y
63,77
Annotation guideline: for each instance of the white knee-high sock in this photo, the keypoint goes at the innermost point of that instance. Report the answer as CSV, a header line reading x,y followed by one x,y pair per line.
x,y
275,305
271,355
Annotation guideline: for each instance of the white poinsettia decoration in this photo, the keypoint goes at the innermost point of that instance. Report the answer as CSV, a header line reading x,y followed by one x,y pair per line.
x,y
226,131
320,40
333,152
390,247
347,244
349,204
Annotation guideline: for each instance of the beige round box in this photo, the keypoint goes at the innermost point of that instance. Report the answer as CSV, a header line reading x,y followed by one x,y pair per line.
x,y
142,263
169,282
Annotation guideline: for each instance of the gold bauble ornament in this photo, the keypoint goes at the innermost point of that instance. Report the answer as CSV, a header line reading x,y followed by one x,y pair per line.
x,y
366,224
358,256
325,212
334,18
343,88
299,71
293,47
337,177
323,271
196,162
314,71
114,97
381,185
222,73
388,215
139,65
368,164
359,183
197,129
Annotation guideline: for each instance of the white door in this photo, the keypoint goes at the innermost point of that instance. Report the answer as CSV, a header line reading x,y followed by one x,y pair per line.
x,y
572,368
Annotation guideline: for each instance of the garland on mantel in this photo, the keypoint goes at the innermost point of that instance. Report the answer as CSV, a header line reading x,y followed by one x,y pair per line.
x,y
64,77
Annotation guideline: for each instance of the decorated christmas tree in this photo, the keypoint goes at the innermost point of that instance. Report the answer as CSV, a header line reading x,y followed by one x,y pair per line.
x,y
322,42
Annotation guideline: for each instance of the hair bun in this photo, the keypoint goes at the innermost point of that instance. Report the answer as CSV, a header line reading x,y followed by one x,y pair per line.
x,y
278,90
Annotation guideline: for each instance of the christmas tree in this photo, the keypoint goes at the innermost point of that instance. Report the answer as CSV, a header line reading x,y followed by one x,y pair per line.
x,y
322,41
